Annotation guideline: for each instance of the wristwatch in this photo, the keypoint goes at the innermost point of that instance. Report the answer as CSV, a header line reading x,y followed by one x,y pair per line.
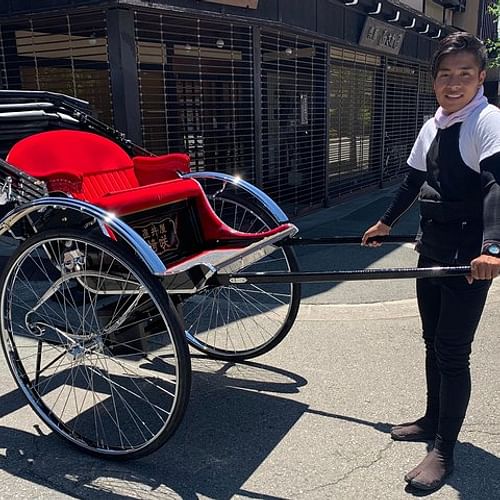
x,y
492,249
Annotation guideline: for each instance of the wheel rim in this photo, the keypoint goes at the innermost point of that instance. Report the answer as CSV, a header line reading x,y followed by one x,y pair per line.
x,y
242,321
90,346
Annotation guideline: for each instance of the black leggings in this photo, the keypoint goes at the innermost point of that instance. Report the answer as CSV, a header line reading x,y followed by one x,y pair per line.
x,y
450,310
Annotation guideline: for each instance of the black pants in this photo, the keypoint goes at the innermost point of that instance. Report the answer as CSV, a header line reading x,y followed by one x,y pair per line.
x,y
450,310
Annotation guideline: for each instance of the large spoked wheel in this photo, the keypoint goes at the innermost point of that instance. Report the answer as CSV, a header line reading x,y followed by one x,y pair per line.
x,y
94,343
243,321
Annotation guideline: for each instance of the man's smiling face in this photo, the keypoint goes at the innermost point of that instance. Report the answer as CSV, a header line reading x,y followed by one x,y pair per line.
x,y
457,81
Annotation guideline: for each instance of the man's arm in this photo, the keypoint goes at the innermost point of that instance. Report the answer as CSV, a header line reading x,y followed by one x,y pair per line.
x,y
402,201
487,266
405,196
490,179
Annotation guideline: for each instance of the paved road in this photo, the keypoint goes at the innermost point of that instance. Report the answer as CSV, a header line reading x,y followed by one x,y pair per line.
x,y
309,420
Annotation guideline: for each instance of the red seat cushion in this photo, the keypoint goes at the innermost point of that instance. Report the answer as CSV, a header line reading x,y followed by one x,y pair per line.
x,y
152,169
75,162
103,183
79,153
146,197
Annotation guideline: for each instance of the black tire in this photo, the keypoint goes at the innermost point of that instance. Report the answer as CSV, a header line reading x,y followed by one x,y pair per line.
x,y
94,343
243,321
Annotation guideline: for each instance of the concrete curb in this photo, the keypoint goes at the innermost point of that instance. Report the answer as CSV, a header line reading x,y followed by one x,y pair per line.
x,y
405,308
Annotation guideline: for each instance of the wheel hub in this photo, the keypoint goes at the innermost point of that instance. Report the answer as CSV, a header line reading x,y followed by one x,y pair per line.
x,y
79,350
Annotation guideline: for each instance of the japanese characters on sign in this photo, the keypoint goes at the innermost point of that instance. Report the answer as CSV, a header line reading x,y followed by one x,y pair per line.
x,y
381,36
161,236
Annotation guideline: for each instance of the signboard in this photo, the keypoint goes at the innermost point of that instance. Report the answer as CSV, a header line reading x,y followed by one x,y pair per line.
x,y
381,36
160,235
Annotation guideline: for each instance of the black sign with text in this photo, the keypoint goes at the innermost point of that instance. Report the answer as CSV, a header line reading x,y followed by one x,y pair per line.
x,y
381,36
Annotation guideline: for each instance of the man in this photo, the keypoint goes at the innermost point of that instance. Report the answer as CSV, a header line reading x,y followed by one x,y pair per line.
x,y
455,173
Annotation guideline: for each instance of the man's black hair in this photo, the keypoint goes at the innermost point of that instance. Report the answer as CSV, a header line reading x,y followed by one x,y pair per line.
x,y
458,42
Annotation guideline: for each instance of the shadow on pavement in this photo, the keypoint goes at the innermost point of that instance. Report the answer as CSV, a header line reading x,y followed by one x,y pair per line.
x,y
235,419
476,470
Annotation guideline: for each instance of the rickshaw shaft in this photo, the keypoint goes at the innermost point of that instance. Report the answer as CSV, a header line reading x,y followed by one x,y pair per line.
x,y
346,240
333,240
335,276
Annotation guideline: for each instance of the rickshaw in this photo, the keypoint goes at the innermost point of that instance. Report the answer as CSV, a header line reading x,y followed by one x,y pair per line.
x,y
120,260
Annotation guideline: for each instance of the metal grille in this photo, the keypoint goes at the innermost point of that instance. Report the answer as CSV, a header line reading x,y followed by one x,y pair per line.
x,y
356,120
3,63
331,121
293,81
427,103
401,124
60,53
196,90
377,106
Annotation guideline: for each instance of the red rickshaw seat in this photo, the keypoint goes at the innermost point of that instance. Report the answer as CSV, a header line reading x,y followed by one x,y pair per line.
x,y
95,169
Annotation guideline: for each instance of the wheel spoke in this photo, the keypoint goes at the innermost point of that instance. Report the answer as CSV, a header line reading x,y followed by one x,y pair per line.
x,y
242,321
94,344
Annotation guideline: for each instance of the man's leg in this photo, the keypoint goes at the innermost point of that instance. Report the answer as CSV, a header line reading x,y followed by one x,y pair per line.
x,y
429,305
461,308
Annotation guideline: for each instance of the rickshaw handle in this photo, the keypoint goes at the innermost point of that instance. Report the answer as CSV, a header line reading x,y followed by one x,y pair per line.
x,y
348,240
334,276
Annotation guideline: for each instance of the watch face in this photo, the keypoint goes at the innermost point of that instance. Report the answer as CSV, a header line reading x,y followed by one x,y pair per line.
x,y
493,250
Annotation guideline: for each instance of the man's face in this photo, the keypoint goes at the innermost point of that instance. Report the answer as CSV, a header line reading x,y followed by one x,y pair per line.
x,y
457,81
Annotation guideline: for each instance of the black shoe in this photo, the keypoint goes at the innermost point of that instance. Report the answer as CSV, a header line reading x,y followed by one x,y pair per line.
x,y
432,472
420,430
435,484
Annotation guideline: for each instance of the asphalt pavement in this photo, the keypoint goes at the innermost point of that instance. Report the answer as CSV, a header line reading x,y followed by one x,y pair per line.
x,y
310,419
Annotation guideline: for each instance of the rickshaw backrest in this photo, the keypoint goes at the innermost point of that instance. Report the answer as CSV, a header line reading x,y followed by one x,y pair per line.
x,y
71,155
74,151
89,164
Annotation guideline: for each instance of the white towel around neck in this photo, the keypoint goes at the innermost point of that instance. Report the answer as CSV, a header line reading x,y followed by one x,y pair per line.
x,y
444,120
